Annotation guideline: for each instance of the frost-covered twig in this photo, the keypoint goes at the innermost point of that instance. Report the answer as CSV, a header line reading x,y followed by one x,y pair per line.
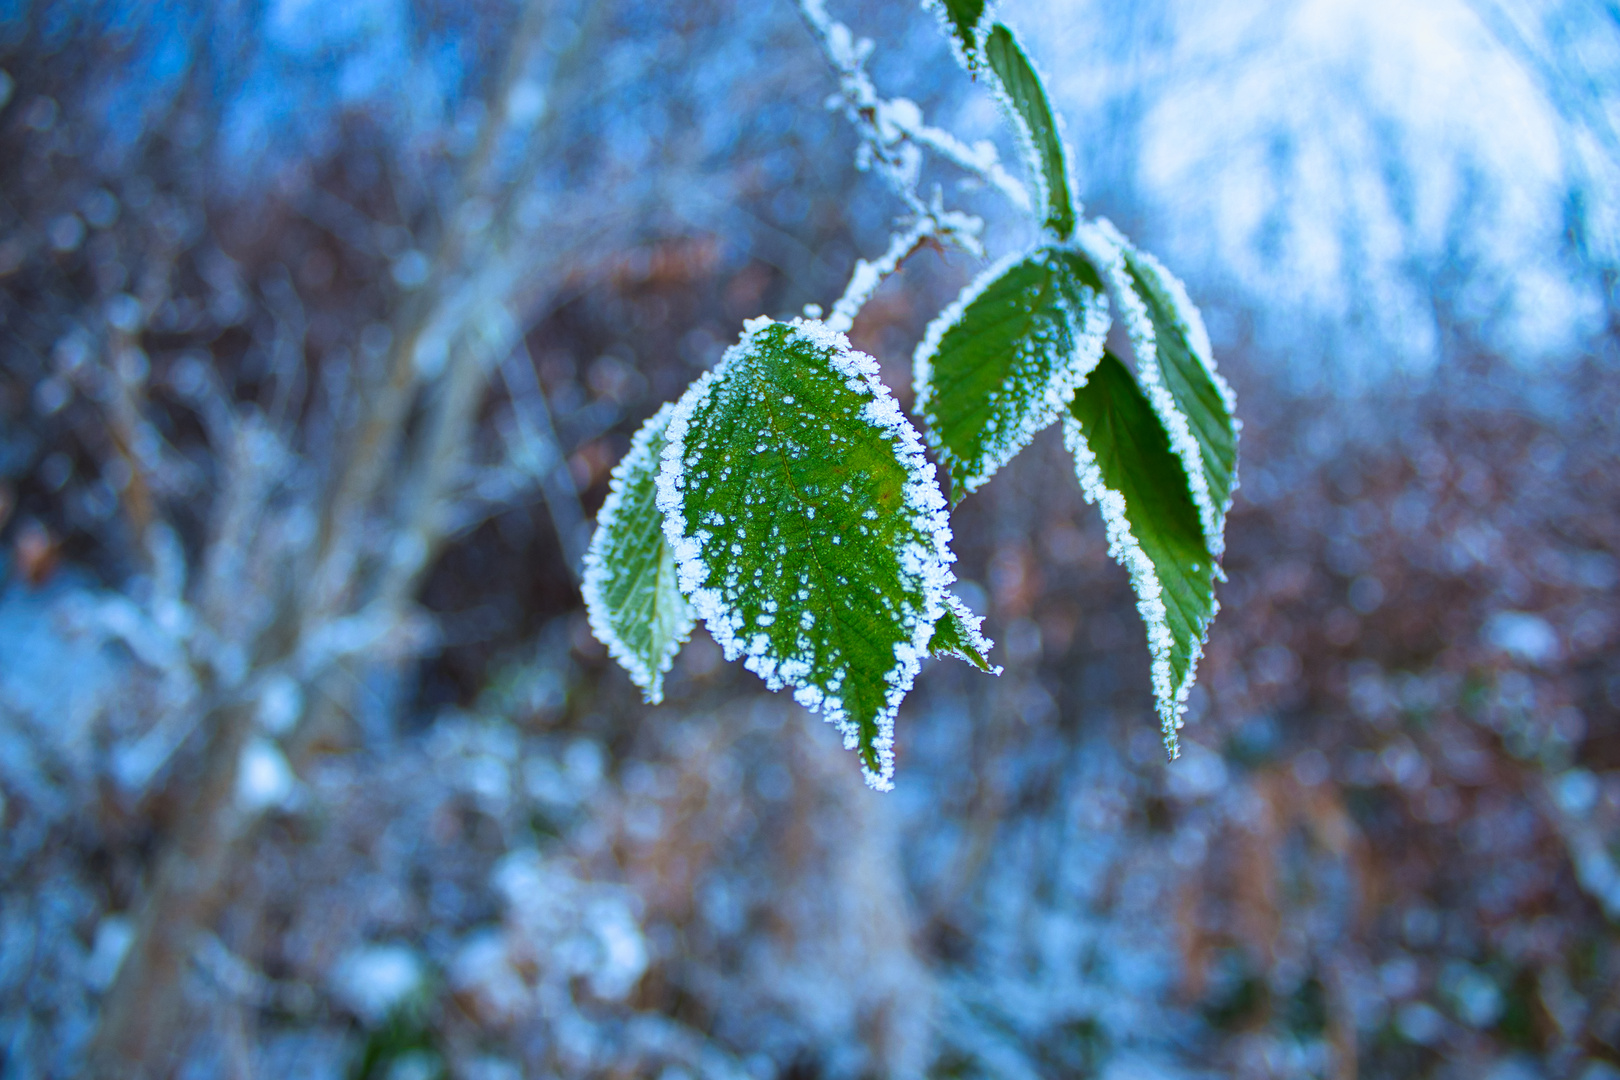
x,y
893,136
979,159
897,160
960,229
867,276
892,130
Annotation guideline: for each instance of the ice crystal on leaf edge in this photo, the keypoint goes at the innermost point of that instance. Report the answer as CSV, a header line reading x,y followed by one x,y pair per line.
x,y
619,598
1128,468
958,635
1109,250
1086,318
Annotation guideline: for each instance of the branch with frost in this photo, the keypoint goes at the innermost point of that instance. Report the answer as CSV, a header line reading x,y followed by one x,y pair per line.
x,y
867,276
980,159
892,131
893,137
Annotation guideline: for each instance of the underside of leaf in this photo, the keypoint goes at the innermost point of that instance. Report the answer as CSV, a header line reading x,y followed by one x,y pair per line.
x,y
957,634
808,528
631,597
1177,371
1002,363
1126,466
1037,127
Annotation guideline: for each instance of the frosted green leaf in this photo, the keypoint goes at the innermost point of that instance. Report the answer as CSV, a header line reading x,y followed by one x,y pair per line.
x,y
807,526
964,21
1126,466
1003,361
957,634
1177,371
631,597
1037,128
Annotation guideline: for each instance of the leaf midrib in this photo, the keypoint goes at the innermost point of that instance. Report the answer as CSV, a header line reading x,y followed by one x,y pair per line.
x,y
844,628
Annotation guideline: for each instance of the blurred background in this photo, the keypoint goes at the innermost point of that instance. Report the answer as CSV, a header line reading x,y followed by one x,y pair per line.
x,y
321,326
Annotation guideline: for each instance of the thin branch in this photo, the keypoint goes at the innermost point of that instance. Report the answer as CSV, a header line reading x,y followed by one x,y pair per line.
x,y
867,276
893,137
980,159
542,454
890,127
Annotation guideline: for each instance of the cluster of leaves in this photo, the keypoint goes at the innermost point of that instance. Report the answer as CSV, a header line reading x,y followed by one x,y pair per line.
x,y
787,501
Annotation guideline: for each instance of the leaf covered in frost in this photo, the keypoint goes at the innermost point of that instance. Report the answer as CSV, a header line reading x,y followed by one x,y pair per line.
x,y
957,634
1003,361
1126,466
808,528
1037,127
964,22
631,596
1177,371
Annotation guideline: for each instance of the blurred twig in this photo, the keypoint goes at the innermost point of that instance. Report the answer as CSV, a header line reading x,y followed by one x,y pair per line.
x,y
328,594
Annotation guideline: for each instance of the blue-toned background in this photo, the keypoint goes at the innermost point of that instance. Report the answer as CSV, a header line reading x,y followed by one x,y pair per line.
x,y
322,325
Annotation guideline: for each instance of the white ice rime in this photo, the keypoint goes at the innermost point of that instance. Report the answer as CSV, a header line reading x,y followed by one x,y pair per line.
x,y
1107,247
980,159
1192,322
1123,547
977,643
647,599
980,30
893,132
724,583
867,276
1038,385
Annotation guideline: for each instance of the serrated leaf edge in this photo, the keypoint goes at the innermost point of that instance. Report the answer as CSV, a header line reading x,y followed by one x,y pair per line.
x,y
596,572
1107,247
1056,395
931,563
1170,699
976,640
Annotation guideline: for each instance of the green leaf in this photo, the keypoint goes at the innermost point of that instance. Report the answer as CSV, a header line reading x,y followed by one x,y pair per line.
x,y
808,529
1001,363
1126,466
957,634
631,597
1177,370
963,20
1026,102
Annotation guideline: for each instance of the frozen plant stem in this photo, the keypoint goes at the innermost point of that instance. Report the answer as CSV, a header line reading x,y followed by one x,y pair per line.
x,y
893,137
892,131
869,275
